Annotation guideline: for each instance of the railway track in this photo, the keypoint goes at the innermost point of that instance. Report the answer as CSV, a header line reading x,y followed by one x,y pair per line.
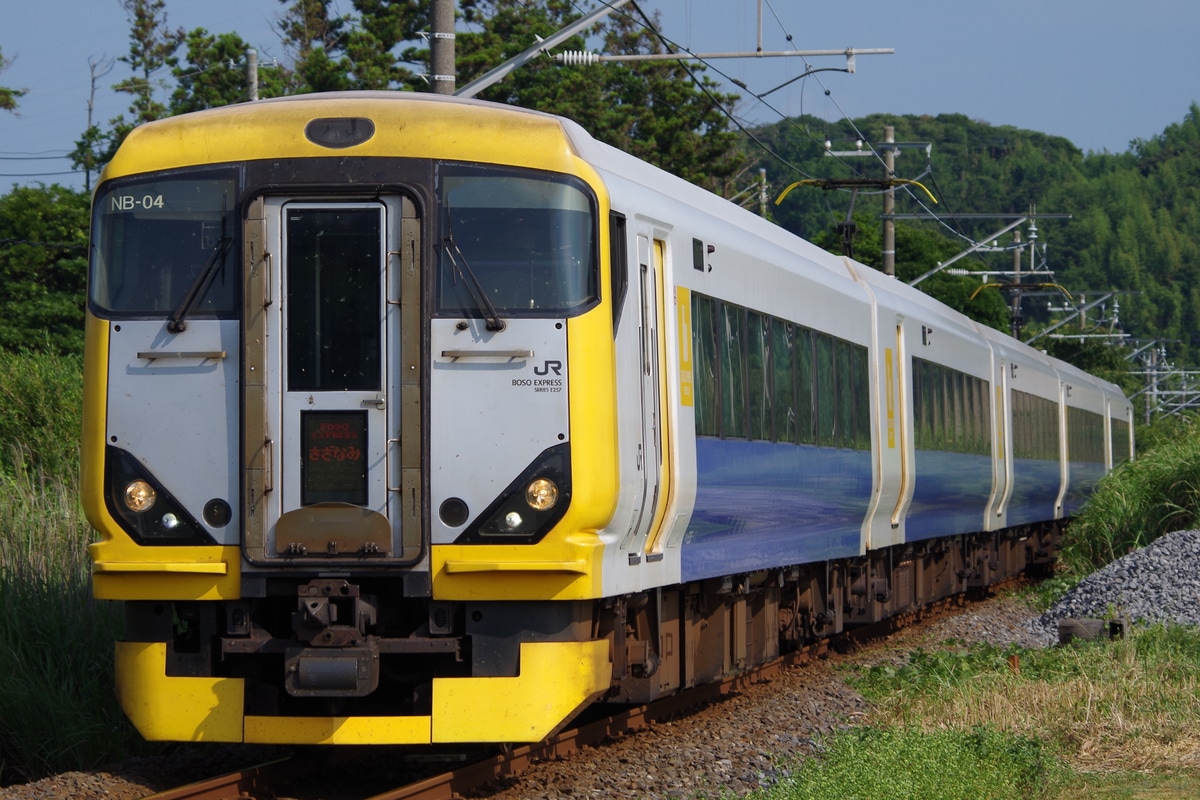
x,y
281,779
338,775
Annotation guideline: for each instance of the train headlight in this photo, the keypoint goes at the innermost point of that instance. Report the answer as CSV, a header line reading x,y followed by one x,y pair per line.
x,y
529,506
541,494
146,510
140,496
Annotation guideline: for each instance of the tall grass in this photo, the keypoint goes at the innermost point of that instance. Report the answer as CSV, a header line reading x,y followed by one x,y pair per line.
x,y
1129,704
986,722
1139,501
57,706
40,414
909,763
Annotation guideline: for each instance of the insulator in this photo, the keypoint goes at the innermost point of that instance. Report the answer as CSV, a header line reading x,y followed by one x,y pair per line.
x,y
574,58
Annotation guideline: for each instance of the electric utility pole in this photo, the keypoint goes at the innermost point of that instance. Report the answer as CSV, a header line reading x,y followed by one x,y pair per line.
x,y
441,47
889,201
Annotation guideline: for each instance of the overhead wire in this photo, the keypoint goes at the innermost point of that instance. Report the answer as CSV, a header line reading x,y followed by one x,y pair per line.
x,y
674,47
954,229
745,129
760,97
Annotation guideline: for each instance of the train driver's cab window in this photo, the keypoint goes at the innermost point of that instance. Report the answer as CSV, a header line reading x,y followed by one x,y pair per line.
x,y
165,245
514,243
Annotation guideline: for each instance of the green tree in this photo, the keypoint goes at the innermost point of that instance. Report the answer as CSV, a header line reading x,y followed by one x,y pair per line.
x,y
1098,356
919,250
668,112
1132,229
152,47
371,46
43,269
664,112
8,97
213,72
316,40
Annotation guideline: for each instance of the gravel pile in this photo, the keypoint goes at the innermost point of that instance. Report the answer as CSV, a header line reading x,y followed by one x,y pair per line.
x,y
1158,584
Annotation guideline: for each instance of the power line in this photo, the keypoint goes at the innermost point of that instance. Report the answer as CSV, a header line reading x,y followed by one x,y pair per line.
x,y
36,174
4,157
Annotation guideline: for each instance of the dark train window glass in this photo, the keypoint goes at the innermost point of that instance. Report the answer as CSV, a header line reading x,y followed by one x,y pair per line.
x,y
958,391
619,255
1035,427
783,381
932,387
971,403
966,429
806,387
733,377
1120,441
919,404
1085,436
846,400
984,396
521,242
862,397
942,428
928,404
697,255
334,264
922,413
764,378
826,398
154,242
1021,425
705,366
758,368
951,410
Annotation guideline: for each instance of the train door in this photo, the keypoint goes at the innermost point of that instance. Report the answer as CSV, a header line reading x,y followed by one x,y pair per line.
x,y
655,453
334,484
899,425
1001,445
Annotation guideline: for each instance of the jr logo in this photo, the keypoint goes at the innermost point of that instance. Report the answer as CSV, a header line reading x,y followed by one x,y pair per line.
x,y
548,367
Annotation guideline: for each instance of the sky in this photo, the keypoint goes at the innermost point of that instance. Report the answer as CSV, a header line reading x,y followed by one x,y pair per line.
x,y
1100,73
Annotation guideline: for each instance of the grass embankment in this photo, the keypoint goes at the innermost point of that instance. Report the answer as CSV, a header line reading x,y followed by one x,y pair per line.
x,y
1101,720
57,708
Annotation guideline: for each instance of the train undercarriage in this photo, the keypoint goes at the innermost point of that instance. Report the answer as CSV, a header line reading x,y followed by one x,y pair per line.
x,y
307,658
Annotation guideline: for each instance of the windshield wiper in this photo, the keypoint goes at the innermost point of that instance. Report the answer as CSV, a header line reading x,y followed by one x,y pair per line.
x,y
469,279
177,322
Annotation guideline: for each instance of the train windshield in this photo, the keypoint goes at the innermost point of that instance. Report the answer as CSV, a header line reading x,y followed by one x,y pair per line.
x,y
514,244
165,247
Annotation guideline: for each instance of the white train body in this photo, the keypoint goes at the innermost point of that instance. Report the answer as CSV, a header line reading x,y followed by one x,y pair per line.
x,y
418,420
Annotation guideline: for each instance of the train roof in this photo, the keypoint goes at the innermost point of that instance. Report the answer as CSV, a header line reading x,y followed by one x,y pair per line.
x,y
489,133
425,125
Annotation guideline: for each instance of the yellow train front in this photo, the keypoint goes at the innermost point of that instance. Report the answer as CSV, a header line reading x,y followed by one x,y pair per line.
x,y
335,445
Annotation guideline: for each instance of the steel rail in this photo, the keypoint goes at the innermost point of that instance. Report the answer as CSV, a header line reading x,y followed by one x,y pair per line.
x,y
265,780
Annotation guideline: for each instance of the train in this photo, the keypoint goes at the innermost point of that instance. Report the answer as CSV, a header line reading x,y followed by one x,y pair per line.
x,y
413,419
